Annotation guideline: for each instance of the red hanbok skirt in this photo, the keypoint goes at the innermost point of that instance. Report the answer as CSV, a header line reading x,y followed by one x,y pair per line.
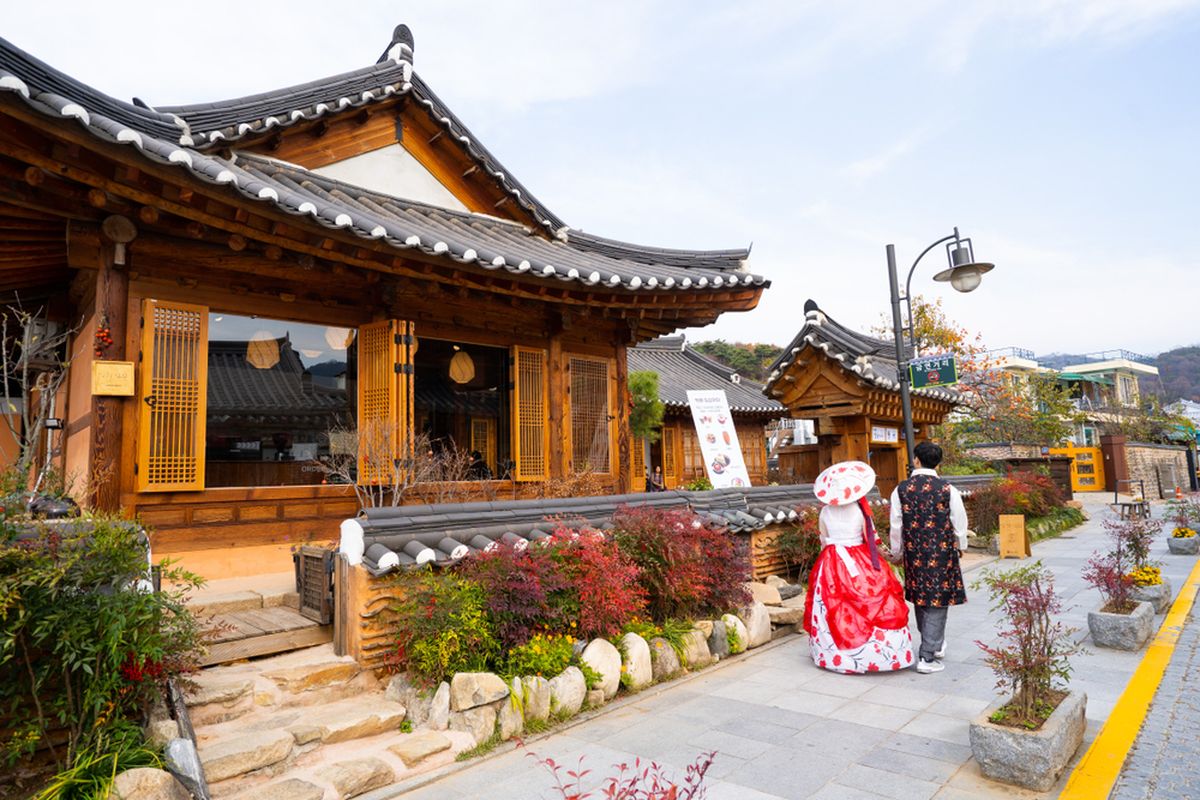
x,y
856,622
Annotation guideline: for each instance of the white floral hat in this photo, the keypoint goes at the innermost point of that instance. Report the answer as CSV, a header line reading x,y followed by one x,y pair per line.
x,y
844,483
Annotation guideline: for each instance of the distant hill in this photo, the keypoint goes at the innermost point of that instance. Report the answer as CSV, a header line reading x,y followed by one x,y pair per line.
x,y
1180,373
750,359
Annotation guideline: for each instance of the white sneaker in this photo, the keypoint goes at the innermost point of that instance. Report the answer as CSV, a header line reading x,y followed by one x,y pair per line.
x,y
925,667
940,654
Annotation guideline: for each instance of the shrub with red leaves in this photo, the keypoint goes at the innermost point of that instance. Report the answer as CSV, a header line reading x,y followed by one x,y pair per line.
x,y
524,590
602,589
687,566
637,781
1027,493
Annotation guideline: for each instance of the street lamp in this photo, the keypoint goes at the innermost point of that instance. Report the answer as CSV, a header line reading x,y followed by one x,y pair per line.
x,y
964,274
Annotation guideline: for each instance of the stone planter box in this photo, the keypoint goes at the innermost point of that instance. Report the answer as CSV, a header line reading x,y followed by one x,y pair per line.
x,y
1032,759
1159,595
1122,631
1184,547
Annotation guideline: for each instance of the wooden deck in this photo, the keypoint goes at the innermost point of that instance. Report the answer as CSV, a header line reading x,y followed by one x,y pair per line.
x,y
261,632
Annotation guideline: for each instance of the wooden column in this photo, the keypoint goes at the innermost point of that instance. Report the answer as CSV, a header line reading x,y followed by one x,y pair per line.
x,y
557,405
104,461
624,434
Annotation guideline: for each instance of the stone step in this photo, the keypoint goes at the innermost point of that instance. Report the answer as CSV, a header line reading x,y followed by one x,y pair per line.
x,y
230,757
308,677
359,776
214,698
354,718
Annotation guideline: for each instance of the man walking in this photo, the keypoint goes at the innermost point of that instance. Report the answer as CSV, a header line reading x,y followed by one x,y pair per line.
x,y
929,533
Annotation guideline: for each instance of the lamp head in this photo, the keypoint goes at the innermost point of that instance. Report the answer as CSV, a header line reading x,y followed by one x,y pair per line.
x,y
964,273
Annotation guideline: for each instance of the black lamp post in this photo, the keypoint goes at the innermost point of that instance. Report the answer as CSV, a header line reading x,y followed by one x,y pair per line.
x,y
964,274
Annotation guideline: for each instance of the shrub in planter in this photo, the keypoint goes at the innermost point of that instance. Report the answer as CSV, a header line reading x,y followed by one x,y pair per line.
x,y
1025,493
1185,518
687,567
1028,738
1121,622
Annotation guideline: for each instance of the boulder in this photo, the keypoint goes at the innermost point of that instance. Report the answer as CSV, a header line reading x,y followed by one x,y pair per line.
x,y
352,778
472,689
417,701
439,708
735,629
635,660
536,697
758,624
775,580
605,659
290,789
695,650
1033,759
567,690
160,731
479,722
705,626
146,783
718,640
783,615
664,661
764,593
238,755
510,716
788,591
594,698
795,602
413,748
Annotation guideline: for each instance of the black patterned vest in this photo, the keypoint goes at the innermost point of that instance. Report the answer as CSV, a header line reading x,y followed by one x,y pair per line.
x,y
932,576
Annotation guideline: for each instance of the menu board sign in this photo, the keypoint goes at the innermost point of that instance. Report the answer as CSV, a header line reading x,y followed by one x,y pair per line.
x,y
718,438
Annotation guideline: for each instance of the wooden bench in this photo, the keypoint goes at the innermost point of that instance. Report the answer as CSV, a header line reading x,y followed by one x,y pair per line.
x,y
1133,509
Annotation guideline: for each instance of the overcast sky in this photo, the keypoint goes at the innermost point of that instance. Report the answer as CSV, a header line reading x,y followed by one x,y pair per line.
x,y
1061,135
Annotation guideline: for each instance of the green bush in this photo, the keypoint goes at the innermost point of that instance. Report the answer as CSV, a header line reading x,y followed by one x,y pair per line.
x,y
84,647
545,655
443,626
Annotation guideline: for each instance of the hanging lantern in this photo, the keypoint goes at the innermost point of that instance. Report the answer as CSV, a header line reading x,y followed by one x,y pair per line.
x,y
339,338
462,367
262,351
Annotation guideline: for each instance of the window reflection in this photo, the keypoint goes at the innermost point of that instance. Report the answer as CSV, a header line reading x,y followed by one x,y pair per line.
x,y
275,391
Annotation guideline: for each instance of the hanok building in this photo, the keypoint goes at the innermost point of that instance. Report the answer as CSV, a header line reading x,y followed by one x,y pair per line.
x,y
677,452
848,384
277,266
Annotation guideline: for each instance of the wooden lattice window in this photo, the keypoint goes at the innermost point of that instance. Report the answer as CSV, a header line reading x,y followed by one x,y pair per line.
x,y
754,451
693,459
172,397
483,440
384,400
592,421
639,464
670,458
531,429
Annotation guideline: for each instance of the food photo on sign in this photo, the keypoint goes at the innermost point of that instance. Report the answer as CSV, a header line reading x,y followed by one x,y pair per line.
x,y
719,446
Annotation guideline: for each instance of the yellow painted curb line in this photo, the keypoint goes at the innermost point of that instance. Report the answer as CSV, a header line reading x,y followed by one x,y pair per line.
x,y
1096,773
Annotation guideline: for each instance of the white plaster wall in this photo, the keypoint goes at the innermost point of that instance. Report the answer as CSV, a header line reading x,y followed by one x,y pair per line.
x,y
392,170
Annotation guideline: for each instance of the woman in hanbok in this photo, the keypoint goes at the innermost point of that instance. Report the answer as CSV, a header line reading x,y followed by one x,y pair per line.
x,y
855,614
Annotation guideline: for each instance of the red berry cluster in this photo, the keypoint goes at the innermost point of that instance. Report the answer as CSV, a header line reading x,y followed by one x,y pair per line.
x,y
103,339
136,672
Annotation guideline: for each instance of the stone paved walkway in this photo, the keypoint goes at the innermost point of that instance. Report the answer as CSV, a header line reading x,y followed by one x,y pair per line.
x,y
1165,761
784,729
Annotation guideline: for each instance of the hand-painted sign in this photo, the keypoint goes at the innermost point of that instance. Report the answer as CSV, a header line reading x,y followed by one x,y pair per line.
x,y
718,438
933,371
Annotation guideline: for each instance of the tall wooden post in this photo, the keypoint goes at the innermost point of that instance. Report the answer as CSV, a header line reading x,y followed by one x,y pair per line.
x,y
624,433
104,461
557,405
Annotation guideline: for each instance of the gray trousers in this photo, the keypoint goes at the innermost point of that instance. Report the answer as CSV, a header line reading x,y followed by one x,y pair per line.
x,y
931,624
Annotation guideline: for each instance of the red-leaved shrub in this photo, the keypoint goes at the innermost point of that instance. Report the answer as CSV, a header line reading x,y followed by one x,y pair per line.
x,y
601,584
1025,493
688,566
523,587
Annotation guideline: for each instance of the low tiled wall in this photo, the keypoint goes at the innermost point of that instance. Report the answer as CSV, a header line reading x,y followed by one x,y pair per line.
x,y
998,451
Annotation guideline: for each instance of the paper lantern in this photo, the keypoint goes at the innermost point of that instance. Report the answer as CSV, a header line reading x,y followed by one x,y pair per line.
x,y
339,338
462,367
262,352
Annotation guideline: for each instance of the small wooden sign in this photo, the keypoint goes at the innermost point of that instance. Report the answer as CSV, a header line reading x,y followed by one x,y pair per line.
x,y
883,434
1014,538
112,378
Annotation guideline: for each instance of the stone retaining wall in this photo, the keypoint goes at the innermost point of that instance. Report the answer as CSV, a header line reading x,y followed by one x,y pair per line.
x,y
1160,467
998,451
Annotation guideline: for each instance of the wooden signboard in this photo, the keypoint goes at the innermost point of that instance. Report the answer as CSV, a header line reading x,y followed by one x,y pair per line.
x,y
1014,539
112,378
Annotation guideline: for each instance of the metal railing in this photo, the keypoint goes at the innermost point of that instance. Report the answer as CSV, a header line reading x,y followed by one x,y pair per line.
x,y
1015,352
1112,355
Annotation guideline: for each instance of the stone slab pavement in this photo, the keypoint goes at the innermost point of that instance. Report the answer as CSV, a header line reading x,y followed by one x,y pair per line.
x,y
1163,764
782,728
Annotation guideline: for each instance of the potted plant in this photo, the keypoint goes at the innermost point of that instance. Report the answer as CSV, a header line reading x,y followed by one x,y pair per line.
x,y
1135,537
1028,737
1122,621
1183,540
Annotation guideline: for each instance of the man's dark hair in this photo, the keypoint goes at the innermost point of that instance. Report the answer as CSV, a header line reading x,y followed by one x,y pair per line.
x,y
929,454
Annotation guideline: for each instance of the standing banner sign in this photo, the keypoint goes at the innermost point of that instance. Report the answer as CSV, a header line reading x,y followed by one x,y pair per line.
x,y
718,438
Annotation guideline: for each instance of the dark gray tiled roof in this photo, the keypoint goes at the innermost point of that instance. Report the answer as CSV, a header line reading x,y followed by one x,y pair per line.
x,y
445,534
477,241
874,360
680,368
